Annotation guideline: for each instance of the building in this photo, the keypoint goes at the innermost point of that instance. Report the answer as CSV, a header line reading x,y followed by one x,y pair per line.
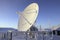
x,y
56,30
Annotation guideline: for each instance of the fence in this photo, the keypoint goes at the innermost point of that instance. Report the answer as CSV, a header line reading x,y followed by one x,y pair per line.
x,y
35,35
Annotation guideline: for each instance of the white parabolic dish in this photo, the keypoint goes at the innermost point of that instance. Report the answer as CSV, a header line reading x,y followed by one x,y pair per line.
x,y
28,17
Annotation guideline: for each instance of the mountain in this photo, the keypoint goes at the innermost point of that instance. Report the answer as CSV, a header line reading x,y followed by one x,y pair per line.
x,y
7,29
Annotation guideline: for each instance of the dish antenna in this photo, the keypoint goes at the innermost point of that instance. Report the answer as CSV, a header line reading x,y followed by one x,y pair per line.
x,y
28,17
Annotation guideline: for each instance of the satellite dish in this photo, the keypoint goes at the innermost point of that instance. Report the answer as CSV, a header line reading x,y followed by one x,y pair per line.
x,y
28,17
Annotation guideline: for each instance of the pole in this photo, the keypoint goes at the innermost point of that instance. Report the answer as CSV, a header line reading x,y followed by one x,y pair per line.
x,y
26,35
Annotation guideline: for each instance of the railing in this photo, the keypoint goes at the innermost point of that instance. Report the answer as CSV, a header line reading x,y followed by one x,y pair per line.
x,y
28,36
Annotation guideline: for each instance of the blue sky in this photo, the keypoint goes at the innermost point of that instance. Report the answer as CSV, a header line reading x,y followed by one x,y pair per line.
x,y
49,12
